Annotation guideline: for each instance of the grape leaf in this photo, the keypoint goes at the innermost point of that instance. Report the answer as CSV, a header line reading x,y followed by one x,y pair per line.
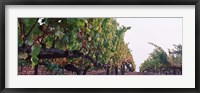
x,y
35,50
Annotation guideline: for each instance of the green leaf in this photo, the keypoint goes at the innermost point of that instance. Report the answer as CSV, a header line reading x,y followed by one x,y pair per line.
x,y
36,30
26,21
35,50
80,24
71,21
88,30
29,21
49,41
49,44
29,41
34,60
98,39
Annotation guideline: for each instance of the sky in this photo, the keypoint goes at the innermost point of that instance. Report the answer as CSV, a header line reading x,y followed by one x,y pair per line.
x,y
163,32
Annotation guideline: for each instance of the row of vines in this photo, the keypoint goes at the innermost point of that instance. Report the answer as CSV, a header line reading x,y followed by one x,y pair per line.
x,y
159,62
74,44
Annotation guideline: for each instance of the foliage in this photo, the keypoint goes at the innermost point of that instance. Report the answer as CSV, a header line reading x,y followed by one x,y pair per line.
x,y
175,56
93,40
159,58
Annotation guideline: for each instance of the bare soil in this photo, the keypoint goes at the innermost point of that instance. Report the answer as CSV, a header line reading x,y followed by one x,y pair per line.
x,y
42,70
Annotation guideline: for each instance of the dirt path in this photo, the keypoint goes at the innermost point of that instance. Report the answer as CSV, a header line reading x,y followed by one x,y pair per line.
x,y
26,70
134,73
104,73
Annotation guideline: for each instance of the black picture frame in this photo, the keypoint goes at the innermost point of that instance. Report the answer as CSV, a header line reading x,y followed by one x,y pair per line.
x,y
3,3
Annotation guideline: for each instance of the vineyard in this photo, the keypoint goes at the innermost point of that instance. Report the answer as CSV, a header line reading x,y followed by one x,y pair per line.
x,y
159,63
86,46
73,46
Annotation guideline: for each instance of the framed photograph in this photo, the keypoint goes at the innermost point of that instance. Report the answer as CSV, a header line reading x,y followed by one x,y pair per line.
x,y
99,46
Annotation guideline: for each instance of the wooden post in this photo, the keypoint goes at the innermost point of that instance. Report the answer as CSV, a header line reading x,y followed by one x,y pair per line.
x,y
36,70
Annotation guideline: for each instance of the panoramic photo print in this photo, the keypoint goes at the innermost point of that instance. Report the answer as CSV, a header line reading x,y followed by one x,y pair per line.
x,y
100,46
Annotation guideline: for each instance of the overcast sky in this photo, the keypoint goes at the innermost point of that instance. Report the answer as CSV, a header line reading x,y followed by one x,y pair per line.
x,y
162,31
